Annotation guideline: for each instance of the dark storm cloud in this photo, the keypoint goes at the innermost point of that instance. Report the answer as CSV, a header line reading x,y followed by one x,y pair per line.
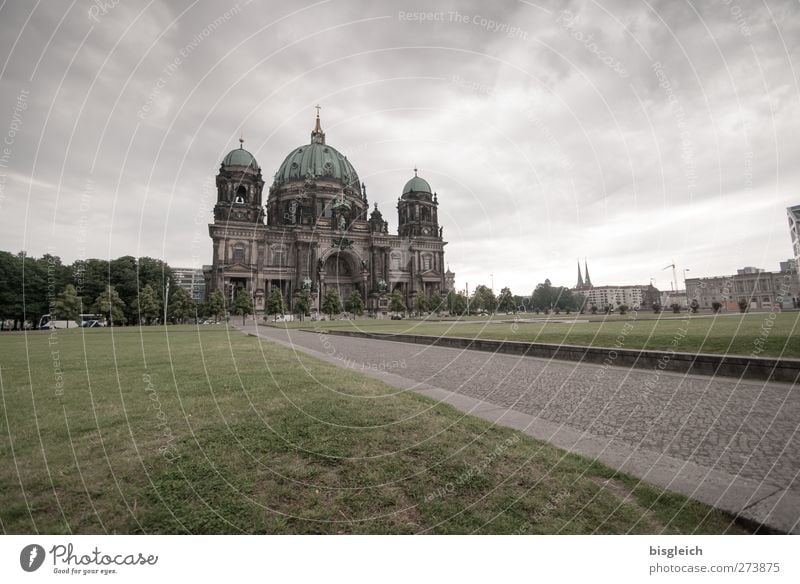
x,y
546,129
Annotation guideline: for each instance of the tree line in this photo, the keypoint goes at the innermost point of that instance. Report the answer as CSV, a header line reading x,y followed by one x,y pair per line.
x,y
125,291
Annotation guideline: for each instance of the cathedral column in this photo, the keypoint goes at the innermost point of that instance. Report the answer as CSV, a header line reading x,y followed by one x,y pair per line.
x,y
373,268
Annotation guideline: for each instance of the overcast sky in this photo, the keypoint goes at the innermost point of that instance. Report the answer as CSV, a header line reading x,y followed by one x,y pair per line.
x,y
631,133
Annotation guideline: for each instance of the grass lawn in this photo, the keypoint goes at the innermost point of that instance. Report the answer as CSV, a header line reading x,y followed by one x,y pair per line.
x,y
729,334
205,430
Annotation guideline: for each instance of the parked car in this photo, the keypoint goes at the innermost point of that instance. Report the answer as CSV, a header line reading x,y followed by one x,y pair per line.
x,y
397,317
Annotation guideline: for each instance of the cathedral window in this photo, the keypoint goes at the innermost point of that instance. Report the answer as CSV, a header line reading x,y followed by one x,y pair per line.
x,y
426,263
241,195
279,255
238,254
396,261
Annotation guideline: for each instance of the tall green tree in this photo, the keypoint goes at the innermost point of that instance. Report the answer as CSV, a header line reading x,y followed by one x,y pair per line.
x,y
111,306
243,304
420,303
505,302
122,274
216,304
148,305
457,303
331,305
396,303
355,304
11,288
302,304
275,304
68,305
181,305
436,302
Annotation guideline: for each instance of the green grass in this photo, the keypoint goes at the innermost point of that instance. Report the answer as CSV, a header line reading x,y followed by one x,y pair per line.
x,y
758,334
231,434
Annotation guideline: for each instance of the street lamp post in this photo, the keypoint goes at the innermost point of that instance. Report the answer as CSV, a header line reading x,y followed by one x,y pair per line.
x,y
166,301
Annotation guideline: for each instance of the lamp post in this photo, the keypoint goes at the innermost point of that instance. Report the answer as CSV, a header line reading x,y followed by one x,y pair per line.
x,y
685,289
166,301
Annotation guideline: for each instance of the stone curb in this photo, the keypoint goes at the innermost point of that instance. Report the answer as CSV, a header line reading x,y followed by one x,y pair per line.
x,y
742,367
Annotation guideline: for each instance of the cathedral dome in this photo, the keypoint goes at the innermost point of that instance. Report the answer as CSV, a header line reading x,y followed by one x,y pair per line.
x,y
417,185
317,160
240,157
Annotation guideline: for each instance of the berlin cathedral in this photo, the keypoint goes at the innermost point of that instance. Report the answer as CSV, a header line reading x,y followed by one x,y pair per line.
x,y
316,231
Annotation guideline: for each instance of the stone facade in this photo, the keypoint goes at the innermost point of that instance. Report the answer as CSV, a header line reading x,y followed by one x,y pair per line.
x,y
760,289
315,231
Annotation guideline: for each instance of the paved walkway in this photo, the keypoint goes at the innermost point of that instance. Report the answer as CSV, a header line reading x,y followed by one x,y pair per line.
x,y
728,443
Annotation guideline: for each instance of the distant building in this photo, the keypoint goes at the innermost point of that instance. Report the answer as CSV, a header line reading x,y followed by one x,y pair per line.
x,y
759,288
634,296
191,280
669,297
794,231
583,283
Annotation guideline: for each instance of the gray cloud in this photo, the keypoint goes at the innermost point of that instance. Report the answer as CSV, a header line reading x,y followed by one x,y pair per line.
x,y
519,115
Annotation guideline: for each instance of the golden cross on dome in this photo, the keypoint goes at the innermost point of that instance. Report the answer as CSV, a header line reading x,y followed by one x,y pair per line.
x,y
317,108
241,141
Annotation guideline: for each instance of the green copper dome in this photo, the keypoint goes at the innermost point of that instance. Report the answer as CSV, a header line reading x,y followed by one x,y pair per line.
x,y
240,157
417,185
317,161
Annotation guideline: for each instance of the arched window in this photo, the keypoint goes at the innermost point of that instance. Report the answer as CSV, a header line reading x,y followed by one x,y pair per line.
x,y
241,195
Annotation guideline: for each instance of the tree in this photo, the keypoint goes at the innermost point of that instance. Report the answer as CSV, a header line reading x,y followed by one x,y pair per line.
x,y
302,304
676,308
216,305
506,301
275,304
543,296
111,306
10,287
396,303
355,304
458,303
743,304
695,305
436,302
623,308
243,304
122,274
68,306
716,306
181,305
331,304
656,307
483,299
149,307
593,309
420,304
580,301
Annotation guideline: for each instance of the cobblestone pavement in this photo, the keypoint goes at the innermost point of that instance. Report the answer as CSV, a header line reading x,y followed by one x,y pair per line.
x,y
745,428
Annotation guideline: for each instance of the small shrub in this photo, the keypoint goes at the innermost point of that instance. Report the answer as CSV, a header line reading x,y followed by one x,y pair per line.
x,y
743,304
676,308
656,307
716,306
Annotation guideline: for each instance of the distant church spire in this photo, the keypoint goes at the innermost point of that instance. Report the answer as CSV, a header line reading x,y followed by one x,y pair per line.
x,y
588,280
579,285
317,135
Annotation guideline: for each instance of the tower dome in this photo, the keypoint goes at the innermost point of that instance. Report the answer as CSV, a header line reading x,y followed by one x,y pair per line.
x,y
417,185
241,158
